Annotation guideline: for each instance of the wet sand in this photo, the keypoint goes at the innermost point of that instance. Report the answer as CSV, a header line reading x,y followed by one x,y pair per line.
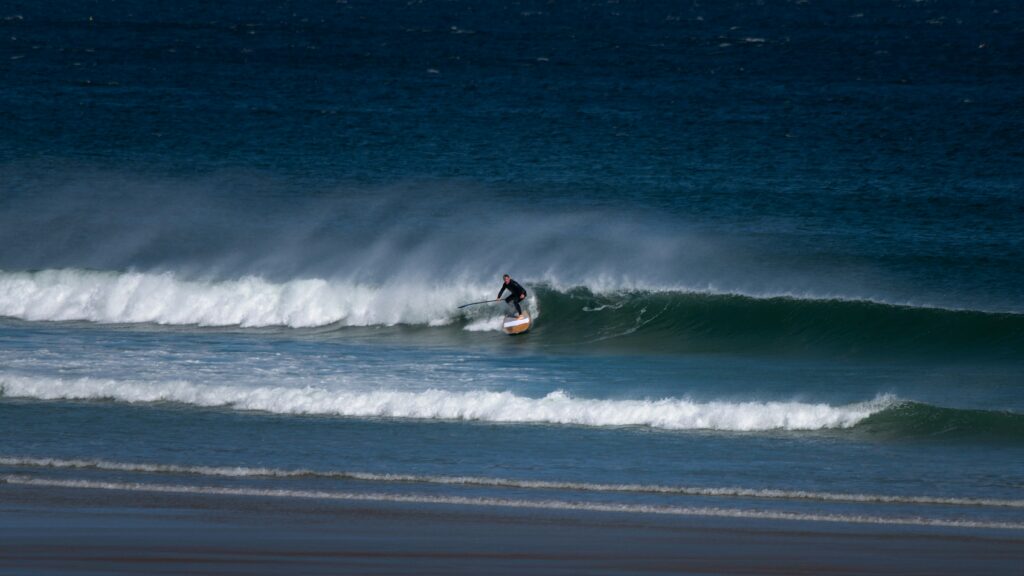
x,y
45,530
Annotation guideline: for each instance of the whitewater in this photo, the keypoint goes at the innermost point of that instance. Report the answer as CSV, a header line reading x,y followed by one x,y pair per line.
x,y
555,408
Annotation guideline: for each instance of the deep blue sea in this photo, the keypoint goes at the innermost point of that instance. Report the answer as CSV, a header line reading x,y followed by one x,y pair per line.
x,y
774,251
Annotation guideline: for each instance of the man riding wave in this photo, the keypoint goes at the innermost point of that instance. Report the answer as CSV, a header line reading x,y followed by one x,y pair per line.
x,y
516,293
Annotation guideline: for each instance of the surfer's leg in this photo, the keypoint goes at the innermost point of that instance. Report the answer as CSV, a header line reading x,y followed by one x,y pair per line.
x,y
511,302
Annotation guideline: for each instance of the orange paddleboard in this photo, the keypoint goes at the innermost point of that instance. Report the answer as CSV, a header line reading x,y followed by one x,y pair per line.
x,y
517,324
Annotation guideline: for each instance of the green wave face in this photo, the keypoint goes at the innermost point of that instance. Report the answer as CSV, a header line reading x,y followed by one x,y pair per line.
x,y
913,420
679,322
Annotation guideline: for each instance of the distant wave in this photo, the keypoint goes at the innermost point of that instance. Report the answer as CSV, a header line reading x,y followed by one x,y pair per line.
x,y
554,505
722,492
605,314
555,408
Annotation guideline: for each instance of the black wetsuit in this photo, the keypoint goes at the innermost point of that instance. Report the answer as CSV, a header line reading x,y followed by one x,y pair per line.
x,y
516,293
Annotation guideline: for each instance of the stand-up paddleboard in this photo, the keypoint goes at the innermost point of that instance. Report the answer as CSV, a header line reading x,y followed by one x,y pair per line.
x,y
517,324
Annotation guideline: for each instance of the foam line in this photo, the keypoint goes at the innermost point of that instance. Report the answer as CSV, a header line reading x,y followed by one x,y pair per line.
x,y
557,407
247,472
554,505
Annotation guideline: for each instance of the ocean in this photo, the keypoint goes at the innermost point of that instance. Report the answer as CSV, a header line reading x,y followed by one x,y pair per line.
x,y
773,251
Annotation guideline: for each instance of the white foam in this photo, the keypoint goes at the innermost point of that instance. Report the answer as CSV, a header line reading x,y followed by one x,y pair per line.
x,y
723,492
554,505
480,405
250,301
484,325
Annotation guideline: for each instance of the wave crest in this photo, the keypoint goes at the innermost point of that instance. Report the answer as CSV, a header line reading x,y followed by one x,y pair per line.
x,y
251,301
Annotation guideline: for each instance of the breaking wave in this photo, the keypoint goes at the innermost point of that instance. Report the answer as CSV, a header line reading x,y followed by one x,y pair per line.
x,y
883,417
654,320
607,313
486,406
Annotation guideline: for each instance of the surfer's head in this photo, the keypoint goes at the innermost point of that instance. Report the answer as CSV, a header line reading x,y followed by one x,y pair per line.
x,y
506,278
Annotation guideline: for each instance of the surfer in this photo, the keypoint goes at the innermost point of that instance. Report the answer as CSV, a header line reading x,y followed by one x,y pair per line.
x,y
516,293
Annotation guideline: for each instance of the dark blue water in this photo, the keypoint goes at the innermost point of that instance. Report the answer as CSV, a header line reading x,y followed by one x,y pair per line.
x,y
773,251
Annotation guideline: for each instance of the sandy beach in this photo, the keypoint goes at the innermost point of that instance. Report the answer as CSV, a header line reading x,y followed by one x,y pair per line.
x,y
83,531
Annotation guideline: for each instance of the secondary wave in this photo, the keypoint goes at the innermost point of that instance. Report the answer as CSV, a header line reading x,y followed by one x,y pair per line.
x,y
725,492
884,417
487,406
509,503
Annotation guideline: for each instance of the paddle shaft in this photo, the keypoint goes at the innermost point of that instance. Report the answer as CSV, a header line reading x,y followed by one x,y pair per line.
x,y
475,303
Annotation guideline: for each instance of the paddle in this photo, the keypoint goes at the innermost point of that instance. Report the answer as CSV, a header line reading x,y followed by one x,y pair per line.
x,y
480,302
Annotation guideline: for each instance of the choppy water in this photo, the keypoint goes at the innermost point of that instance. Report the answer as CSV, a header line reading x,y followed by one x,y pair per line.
x,y
773,253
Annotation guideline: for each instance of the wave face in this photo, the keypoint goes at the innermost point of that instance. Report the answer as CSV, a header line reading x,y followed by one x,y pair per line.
x,y
506,407
657,320
702,322
916,420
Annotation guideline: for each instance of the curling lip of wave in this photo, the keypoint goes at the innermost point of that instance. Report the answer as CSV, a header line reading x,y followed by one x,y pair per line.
x,y
555,408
